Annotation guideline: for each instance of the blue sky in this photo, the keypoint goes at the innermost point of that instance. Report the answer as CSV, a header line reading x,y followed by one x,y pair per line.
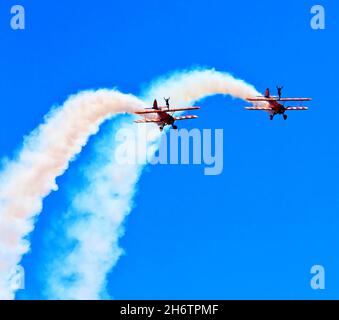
x,y
252,232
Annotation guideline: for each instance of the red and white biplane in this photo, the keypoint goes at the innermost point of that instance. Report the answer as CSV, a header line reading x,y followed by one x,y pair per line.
x,y
273,104
163,116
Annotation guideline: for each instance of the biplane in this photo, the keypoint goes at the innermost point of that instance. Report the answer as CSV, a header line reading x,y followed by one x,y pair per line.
x,y
163,116
275,104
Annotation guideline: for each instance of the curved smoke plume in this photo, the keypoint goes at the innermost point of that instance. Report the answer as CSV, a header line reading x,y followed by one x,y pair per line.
x,y
45,155
98,211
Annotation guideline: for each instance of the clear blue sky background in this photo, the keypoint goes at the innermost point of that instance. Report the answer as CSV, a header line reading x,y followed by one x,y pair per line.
x,y
252,232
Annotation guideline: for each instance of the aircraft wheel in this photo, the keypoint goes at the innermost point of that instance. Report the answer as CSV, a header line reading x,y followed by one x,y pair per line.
x,y
271,117
174,127
285,116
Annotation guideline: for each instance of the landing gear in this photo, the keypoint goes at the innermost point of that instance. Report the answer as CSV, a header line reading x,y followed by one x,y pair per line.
x,y
285,116
174,127
161,128
271,116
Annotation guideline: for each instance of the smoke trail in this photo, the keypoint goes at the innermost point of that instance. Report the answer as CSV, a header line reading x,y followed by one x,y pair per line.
x,y
45,155
189,86
99,210
94,221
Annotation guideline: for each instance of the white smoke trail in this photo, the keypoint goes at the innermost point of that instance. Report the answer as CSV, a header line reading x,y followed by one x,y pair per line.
x,y
99,209
185,87
45,155
94,221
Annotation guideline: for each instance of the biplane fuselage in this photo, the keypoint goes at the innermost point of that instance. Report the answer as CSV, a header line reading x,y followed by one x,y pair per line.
x,y
276,107
165,118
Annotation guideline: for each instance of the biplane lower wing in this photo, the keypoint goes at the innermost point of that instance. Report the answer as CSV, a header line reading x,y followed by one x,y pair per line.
x,y
296,108
185,117
268,109
147,120
258,108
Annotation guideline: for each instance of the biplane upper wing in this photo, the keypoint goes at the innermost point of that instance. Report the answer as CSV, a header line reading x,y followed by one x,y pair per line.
x,y
185,117
148,111
277,99
261,99
181,109
158,121
295,99
165,110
